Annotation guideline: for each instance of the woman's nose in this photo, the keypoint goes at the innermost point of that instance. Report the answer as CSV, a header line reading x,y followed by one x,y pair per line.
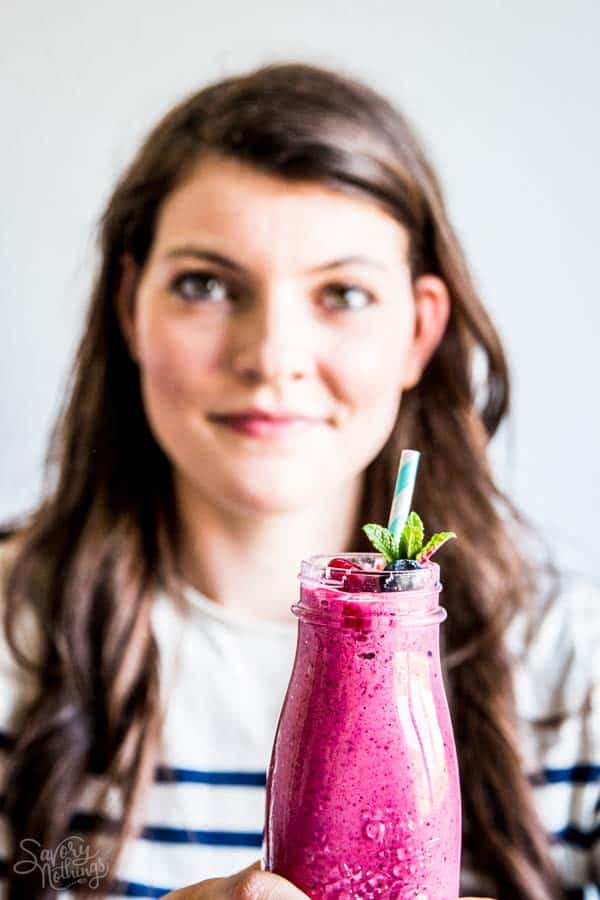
x,y
274,339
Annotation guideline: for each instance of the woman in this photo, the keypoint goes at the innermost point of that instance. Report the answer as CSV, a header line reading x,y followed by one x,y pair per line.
x,y
281,306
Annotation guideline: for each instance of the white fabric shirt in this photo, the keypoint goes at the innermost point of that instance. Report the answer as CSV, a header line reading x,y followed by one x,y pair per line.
x,y
223,677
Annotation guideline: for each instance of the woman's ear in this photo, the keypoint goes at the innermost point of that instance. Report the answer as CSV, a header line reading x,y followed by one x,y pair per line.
x,y
432,310
125,301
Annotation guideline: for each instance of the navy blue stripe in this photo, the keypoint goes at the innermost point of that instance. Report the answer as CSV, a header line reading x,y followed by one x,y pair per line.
x,y
173,775
167,774
581,774
168,834
574,836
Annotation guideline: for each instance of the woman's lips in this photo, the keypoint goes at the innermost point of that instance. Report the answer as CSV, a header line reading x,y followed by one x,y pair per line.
x,y
269,427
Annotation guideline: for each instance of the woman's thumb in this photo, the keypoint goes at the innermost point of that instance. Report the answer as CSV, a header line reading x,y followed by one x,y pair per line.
x,y
252,883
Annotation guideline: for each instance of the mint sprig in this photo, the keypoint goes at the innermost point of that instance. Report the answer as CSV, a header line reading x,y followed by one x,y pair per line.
x,y
383,540
409,545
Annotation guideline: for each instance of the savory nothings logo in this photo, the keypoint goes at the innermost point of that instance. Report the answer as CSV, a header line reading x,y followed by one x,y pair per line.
x,y
71,862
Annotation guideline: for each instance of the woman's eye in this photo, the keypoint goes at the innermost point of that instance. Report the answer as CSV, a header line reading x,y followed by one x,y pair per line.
x,y
200,286
346,296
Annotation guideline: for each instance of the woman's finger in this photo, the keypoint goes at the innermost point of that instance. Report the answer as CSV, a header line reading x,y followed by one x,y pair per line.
x,y
249,884
253,884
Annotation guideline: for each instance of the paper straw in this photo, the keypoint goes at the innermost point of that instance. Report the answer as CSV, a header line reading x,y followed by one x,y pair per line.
x,y
403,492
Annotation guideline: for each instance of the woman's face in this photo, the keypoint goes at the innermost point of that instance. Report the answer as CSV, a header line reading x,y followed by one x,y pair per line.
x,y
275,327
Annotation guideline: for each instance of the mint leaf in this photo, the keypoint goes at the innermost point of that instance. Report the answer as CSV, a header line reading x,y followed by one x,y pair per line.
x,y
411,539
382,539
433,545
399,547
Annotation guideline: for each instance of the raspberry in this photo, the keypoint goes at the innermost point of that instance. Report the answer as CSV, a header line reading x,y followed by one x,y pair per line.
x,y
338,562
356,581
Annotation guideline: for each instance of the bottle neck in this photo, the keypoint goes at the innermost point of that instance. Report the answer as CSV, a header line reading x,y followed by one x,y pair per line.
x,y
359,613
362,599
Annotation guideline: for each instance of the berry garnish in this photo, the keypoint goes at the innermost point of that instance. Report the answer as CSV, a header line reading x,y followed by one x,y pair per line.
x,y
338,562
353,579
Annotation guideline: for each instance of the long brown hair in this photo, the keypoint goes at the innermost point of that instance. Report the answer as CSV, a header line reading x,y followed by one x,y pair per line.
x,y
91,557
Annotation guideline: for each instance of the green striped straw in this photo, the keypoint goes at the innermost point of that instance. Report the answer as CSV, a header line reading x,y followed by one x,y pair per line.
x,y
403,492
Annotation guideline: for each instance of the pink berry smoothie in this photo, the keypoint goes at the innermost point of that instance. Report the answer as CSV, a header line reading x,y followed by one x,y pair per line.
x,y
363,797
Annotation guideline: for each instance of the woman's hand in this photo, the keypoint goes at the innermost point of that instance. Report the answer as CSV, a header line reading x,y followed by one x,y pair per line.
x,y
249,884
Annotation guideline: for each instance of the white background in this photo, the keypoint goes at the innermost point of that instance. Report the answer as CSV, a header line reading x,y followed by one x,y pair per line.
x,y
505,95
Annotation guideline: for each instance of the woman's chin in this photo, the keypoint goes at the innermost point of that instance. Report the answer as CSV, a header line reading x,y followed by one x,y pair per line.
x,y
272,502
273,494
256,487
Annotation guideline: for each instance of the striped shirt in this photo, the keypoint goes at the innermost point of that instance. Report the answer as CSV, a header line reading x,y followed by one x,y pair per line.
x,y
223,678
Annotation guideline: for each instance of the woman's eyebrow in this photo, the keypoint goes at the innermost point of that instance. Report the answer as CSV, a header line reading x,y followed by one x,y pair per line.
x,y
211,256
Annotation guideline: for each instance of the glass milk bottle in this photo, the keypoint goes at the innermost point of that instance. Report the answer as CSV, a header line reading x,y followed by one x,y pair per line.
x,y
363,797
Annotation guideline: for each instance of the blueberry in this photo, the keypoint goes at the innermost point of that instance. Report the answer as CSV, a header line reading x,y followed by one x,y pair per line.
x,y
398,565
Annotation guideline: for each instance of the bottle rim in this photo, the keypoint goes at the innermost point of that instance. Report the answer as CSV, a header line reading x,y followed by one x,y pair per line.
x,y
316,568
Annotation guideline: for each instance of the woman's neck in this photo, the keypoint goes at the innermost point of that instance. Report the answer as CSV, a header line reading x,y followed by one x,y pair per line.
x,y
250,562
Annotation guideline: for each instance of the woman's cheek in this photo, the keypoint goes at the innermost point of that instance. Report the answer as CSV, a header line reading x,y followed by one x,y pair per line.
x,y
368,368
177,357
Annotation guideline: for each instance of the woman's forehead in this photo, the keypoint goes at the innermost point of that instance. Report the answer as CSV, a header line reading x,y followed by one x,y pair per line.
x,y
231,204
